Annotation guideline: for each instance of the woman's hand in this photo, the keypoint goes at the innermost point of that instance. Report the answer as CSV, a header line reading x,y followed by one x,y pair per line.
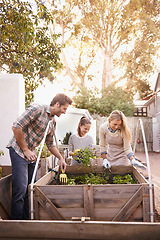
x,y
136,163
106,163
71,154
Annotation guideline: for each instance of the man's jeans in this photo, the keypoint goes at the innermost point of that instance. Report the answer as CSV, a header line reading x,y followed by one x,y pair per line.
x,y
22,171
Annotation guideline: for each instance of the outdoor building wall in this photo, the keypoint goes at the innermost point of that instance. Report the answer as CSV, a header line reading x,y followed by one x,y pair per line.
x,y
12,104
158,103
151,109
156,133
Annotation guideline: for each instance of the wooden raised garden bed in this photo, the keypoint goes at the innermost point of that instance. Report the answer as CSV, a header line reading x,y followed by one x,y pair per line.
x,y
60,203
107,202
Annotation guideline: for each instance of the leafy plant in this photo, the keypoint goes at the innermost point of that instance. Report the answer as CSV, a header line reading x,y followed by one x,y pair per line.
x,y
27,44
127,179
1,172
45,152
101,178
66,138
84,156
112,98
1,153
96,179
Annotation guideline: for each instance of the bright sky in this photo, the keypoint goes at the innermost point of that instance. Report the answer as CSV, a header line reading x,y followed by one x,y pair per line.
x,y
44,94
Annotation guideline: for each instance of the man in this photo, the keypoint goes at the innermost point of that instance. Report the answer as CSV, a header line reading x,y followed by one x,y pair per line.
x,y
28,131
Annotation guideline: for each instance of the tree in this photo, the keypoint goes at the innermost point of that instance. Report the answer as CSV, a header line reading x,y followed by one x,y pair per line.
x,y
73,38
27,47
125,33
113,98
127,27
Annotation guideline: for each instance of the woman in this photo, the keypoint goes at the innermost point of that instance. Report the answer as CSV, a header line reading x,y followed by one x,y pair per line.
x,y
116,135
81,139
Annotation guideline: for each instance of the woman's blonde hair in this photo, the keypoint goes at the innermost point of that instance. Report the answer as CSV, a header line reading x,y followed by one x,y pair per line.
x,y
118,115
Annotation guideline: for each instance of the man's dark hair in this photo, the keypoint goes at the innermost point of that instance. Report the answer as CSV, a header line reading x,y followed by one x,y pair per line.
x,y
62,99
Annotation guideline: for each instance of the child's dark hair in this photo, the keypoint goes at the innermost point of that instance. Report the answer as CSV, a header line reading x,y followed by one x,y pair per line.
x,y
82,122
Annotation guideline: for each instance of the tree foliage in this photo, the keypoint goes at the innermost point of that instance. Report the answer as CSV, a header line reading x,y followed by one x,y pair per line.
x,y
76,41
125,33
112,98
26,45
131,28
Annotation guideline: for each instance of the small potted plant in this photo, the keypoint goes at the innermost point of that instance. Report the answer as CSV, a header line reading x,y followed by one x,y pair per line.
x,y
84,156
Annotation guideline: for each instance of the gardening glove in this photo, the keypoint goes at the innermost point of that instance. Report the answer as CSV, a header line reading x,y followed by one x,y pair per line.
x,y
136,163
106,163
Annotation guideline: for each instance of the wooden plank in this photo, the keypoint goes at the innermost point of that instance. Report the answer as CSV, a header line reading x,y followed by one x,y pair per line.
x,y
6,170
146,203
99,169
109,202
63,191
72,212
100,214
129,207
137,215
141,179
111,191
121,169
43,166
3,213
36,206
68,203
78,230
46,178
79,202
107,191
88,201
47,205
43,215
5,195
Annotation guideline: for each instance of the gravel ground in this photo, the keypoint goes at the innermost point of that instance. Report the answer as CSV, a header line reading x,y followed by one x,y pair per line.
x,y
154,159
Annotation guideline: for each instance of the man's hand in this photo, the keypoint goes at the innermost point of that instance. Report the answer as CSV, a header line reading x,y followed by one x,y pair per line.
x,y
63,164
31,156
54,150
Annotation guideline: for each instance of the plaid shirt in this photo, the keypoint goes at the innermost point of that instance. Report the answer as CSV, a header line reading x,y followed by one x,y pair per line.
x,y
33,123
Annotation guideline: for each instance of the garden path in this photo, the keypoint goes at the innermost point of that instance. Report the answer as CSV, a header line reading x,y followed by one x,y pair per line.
x,y
154,159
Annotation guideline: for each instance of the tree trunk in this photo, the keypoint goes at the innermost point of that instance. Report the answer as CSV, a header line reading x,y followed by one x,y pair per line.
x,y
68,70
107,70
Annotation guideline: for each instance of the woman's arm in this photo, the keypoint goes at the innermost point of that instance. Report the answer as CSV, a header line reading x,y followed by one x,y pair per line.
x,y
102,139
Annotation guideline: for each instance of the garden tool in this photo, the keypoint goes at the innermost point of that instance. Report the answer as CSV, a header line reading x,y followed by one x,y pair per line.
x,y
63,178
